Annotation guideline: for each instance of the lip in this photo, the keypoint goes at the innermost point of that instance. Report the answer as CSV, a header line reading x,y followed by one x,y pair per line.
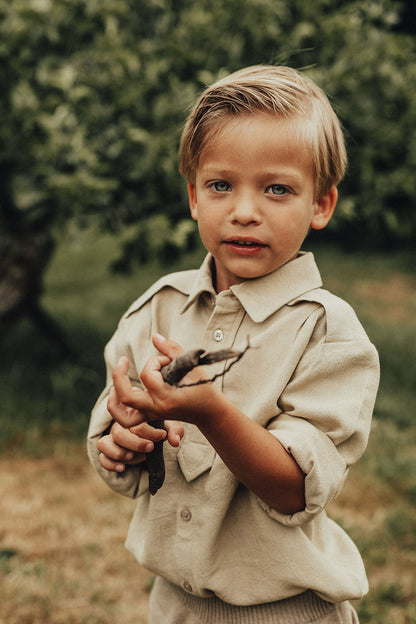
x,y
244,245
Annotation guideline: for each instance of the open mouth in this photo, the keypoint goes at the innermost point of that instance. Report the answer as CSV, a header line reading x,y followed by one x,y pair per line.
x,y
245,242
245,246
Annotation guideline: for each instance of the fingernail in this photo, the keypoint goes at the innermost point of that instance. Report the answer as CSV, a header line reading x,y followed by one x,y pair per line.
x,y
120,467
149,447
129,456
160,336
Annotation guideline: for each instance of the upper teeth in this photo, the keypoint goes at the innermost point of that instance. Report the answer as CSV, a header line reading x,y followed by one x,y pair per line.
x,y
245,242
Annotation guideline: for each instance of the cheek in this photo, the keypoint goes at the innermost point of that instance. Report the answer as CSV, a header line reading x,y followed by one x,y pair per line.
x,y
204,225
207,219
292,227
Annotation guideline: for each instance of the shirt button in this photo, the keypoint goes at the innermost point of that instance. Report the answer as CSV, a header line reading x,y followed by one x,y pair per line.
x,y
218,335
186,515
187,586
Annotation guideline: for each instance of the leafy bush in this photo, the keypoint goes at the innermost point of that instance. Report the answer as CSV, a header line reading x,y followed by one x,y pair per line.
x,y
94,95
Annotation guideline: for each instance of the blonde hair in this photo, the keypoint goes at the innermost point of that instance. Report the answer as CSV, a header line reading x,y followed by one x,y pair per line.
x,y
281,91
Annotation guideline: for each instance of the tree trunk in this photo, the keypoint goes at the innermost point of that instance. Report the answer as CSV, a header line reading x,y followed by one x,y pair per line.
x,y
24,255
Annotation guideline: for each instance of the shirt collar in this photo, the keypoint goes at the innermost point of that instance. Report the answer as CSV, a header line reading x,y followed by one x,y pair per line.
x,y
202,284
263,296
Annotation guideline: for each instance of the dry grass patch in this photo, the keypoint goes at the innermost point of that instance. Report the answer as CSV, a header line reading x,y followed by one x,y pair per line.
x,y
382,523
62,557
393,298
63,561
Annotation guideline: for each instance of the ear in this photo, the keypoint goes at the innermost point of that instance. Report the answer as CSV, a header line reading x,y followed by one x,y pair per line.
x,y
192,201
324,209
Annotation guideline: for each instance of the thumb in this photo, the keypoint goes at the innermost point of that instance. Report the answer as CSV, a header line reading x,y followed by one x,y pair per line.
x,y
167,347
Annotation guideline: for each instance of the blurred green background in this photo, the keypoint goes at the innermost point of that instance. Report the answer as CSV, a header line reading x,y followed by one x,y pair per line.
x,y
92,210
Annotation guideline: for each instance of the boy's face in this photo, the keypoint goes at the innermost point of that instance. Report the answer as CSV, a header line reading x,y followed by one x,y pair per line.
x,y
253,197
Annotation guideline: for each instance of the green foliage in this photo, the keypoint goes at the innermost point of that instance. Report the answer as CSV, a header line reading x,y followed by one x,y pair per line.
x,y
94,95
372,80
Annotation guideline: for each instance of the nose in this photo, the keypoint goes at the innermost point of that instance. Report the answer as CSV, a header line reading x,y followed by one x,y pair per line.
x,y
245,209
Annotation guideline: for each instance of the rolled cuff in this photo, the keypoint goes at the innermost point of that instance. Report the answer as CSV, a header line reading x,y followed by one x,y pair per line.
x,y
316,455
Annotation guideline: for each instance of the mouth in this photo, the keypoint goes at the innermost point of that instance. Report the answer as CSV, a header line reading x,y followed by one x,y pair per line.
x,y
245,244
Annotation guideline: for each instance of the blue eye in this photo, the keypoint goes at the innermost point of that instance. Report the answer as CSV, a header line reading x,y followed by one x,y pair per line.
x,y
276,189
221,186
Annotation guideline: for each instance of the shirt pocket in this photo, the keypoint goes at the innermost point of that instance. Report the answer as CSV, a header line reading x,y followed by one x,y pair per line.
x,y
195,455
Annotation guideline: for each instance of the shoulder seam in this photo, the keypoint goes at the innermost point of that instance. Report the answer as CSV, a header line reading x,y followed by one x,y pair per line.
x,y
178,281
339,313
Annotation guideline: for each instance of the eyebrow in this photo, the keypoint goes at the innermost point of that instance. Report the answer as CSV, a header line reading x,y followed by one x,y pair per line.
x,y
218,172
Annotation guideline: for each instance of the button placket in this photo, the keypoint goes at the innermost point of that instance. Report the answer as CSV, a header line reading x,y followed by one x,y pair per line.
x,y
220,331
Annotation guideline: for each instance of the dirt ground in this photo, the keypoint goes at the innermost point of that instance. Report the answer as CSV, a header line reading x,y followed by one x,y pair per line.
x,y
62,555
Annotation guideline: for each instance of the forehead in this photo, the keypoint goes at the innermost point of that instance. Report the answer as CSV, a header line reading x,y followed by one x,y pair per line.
x,y
260,136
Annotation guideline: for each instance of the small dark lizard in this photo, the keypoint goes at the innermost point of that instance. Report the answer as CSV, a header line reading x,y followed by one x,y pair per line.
x,y
173,373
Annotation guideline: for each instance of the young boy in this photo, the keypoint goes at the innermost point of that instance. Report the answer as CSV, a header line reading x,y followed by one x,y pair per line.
x,y
238,532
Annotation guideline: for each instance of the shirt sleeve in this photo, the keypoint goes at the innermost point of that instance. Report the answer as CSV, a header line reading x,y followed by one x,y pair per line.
x,y
326,415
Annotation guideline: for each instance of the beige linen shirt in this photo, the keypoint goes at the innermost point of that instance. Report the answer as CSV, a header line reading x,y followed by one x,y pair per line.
x,y
311,380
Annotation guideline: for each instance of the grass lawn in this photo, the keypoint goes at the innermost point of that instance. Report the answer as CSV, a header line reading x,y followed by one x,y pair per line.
x,y
62,559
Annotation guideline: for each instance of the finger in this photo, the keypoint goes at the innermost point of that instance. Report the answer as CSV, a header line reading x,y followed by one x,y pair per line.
x,y
134,442
115,457
152,379
123,365
114,451
175,432
145,430
172,349
168,347
117,466
127,395
110,465
122,384
124,414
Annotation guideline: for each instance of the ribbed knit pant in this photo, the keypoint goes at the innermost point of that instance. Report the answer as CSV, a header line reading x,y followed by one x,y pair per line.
x,y
170,604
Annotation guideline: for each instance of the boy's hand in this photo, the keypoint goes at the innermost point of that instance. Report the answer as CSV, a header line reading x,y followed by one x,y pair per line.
x,y
123,447
159,400
131,436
